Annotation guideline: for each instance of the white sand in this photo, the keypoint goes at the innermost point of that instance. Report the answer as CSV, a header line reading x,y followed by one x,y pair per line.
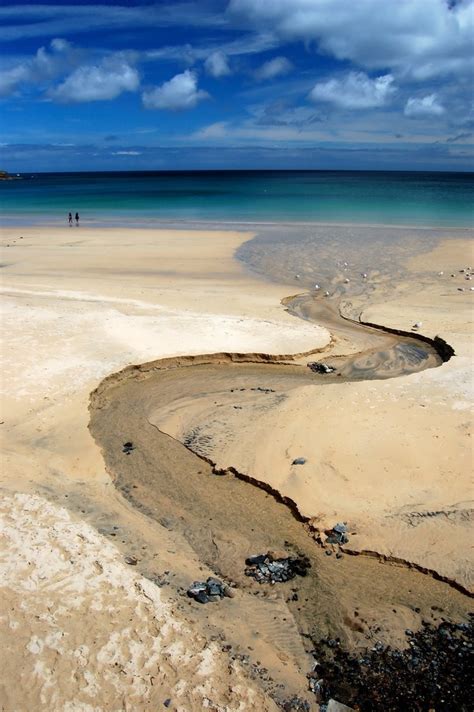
x,y
83,632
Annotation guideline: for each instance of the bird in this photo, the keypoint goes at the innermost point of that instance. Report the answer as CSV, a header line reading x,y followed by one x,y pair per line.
x,y
316,286
417,325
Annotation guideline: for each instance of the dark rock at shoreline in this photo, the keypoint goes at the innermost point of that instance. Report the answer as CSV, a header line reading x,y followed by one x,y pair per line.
x,y
433,673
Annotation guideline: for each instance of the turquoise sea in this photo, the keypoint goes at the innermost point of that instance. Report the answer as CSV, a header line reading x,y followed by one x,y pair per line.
x,y
144,198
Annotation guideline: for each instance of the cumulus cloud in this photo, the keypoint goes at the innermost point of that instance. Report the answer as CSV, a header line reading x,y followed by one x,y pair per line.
x,y
354,91
99,82
420,38
180,92
217,65
45,64
423,106
275,67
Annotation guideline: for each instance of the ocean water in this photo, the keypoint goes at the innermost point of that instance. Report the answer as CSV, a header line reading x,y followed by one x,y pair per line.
x,y
145,198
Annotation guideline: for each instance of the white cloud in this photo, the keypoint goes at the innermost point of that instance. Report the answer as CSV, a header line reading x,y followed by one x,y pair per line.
x,y
45,64
180,92
275,67
217,130
354,91
97,82
424,106
11,78
419,38
217,65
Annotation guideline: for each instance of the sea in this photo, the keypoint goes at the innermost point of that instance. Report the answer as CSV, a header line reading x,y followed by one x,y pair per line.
x,y
277,196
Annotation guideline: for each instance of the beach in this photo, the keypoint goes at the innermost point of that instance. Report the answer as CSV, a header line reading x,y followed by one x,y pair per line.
x,y
164,339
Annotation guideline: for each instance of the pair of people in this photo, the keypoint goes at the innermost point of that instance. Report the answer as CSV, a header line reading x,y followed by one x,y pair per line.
x,y
76,218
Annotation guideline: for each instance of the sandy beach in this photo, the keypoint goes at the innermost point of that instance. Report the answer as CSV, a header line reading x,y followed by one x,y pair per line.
x,y
392,458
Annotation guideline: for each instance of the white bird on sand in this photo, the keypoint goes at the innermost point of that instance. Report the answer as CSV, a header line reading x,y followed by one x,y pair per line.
x,y
297,276
326,294
316,286
364,275
440,274
346,281
418,325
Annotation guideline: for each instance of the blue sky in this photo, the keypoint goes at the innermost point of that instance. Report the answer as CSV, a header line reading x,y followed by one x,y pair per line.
x,y
352,84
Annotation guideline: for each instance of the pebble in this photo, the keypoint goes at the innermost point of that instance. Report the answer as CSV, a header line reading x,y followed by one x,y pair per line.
x,y
299,461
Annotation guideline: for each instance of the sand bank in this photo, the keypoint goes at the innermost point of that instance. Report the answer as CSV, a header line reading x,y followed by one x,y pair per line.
x,y
80,305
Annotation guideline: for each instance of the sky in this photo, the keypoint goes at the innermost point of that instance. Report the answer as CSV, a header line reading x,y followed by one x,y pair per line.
x,y
210,84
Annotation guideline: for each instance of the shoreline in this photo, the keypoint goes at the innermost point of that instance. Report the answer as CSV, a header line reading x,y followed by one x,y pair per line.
x,y
145,298
196,224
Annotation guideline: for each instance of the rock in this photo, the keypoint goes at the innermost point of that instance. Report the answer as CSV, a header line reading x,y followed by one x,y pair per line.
x,y
167,702
335,706
320,367
207,591
128,447
337,535
131,560
299,461
265,568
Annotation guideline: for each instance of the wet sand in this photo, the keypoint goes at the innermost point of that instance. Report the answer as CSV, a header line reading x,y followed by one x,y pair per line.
x,y
147,302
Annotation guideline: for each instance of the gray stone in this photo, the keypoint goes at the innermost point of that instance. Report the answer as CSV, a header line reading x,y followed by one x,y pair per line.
x,y
299,461
335,706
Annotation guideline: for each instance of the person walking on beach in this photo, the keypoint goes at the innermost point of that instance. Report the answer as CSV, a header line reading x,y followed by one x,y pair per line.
x,y
77,219
70,219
